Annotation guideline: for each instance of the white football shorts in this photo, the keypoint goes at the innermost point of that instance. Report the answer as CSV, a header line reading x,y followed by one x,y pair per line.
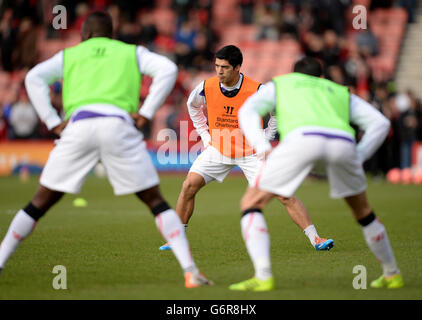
x,y
113,141
212,165
292,160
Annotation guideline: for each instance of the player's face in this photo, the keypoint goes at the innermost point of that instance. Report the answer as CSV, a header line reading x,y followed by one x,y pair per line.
x,y
226,73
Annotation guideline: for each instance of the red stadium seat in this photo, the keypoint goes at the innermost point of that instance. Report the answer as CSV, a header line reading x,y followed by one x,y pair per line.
x,y
389,26
365,3
4,79
165,20
163,3
237,34
72,39
48,48
225,13
398,15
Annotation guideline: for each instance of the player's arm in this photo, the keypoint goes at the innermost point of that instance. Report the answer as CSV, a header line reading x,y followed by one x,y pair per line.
x,y
37,83
163,73
271,129
255,107
374,124
196,103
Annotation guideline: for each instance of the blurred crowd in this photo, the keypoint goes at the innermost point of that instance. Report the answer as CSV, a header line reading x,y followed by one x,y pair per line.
x,y
320,27
189,37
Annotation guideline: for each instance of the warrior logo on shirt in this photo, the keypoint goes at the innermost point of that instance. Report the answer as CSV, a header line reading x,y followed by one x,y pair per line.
x,y
229,110
99,51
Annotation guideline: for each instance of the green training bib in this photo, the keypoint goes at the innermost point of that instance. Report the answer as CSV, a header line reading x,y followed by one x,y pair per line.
x,y
303,100
101,70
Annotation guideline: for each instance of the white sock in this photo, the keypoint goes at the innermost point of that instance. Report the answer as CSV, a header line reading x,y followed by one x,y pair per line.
x,y
377,240
257,240
172,229
20,227
311,233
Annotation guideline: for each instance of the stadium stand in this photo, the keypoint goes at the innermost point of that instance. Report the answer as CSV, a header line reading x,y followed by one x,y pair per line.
x,y
301,27
409,77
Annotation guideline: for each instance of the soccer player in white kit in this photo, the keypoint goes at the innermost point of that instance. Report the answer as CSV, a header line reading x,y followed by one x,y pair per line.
x,y
101,86
313,116
225,147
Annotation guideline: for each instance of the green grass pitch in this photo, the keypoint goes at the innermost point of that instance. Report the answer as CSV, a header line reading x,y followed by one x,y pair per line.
x,y
110,247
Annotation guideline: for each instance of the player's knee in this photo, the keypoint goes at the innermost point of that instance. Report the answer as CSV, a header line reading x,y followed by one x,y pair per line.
x,y
286,201
151,197
190,188
43,200
359,205
154,200
255,198
247,202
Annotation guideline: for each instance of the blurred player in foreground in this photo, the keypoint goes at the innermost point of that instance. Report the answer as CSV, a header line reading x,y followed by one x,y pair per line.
x,y
313,117
225,145
101,85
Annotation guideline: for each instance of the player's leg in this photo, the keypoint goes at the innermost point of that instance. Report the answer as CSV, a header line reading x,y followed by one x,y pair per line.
x,y
255,235
130,170
294,207
348,181
281,174
25,221
377,240
297,211
186,201
68,164
299,215
206,168
172,230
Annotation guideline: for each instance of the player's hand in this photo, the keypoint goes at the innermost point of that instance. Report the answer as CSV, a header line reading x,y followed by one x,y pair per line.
x,y
140,121
59,129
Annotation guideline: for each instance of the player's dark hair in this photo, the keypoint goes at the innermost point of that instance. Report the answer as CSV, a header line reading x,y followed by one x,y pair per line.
x,y
232,54
309,66
97,24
